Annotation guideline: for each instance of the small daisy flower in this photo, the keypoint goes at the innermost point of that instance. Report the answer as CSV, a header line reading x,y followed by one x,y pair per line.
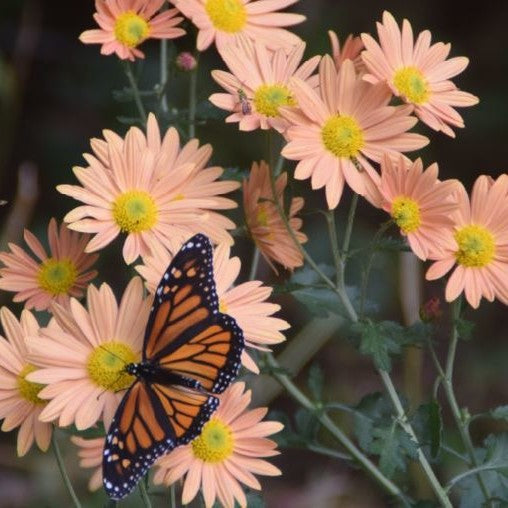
x,y
347,122
258,84
264,222
150,189
246,303
54,278
419,203
230,448
228,21
125,24
20,404
477,244
90,455
82,360
351,50
418,73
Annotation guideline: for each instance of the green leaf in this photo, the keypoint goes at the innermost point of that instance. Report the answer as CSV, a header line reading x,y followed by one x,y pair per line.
x,y
464,328
390,244
372,410
428,425
307,425
316,382
318,301
500,413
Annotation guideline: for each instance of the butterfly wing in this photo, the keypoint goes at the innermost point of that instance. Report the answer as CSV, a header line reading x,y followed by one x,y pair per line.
x,y
149,422
186,333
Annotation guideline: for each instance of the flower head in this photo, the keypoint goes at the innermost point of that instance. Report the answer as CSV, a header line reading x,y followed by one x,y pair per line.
x,y
228,21
54,278
150,189
419,203
351,50
90,454
186,61
228,450
20,404
418,73
125,24
346,123
246,303
264,222
477,244
258,84
83,359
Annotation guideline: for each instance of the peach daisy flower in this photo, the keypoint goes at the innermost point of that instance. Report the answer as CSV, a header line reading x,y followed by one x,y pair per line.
x,y
351,50
418,73
477,244
90,455
246,303
150,189
264,222
54,278
259,84
228,21
419,203
20,404
82,360
347,122
226,453
125,24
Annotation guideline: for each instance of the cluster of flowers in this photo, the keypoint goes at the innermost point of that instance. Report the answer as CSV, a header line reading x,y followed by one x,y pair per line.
x,y
336,115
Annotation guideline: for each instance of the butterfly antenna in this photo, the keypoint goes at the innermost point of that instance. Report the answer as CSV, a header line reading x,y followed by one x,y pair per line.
x,y
112,354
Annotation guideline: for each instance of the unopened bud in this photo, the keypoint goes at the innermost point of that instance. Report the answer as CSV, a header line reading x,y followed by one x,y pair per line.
x,y
431,310
186,61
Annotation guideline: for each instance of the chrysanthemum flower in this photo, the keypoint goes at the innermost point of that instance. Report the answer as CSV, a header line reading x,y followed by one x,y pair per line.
x,y
52,278
418,73
348,121
82,360
264,222
228,451
259,84
419,203
125,24
245,302
20,405
351,50
478,244
90,454
149,189
228,21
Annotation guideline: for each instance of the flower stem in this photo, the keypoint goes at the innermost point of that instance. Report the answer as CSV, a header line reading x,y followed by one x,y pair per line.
x,y
255,264
164,75
144,494
172,496
193,86
63,471
135,91
334,241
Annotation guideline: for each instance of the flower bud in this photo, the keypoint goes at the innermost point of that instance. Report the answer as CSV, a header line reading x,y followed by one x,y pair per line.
x,y
186,61
431,310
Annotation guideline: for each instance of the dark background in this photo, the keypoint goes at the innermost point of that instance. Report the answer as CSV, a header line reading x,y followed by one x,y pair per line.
x,y
56,94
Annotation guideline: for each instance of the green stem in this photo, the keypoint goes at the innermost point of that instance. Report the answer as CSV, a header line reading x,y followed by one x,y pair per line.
x,y
63,471
461,420
255,264
144,494
135,91
172,496
328,423
475,470
349,224
193,86
334,241
164,75
328,453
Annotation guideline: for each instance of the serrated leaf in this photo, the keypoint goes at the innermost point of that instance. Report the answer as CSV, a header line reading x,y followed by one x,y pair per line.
x,y
464,328
372,410
500,413
316,382
318,301
307,425
254,500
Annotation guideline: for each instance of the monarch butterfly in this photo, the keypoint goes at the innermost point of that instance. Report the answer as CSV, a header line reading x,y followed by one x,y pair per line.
x,y
190,351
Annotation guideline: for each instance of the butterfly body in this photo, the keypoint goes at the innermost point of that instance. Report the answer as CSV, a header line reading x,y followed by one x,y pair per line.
x,y
190,352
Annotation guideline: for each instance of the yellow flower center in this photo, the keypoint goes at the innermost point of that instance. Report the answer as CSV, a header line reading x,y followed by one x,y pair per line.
x,y
131,29
57,276
262,215
406,214
215,443
227,15
476,246
135,211
342,136
269,98
106,365
411,83
28,390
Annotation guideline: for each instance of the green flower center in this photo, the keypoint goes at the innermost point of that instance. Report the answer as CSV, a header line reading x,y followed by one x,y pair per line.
x,y
269,98
135,211
227,15
106,365
342,136
215,443
411,83
406,214
476,246
57,276
131,29
28,390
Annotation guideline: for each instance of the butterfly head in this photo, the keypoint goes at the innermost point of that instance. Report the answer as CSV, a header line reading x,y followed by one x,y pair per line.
x,y
141,369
